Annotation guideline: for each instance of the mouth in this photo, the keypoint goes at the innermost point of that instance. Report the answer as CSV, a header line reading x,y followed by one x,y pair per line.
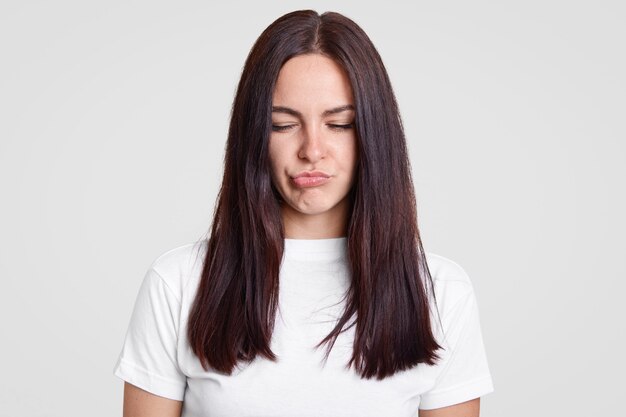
x,y
308,179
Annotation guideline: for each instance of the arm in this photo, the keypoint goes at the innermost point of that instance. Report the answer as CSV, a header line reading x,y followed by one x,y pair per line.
x,y
140,403
467,409
148,364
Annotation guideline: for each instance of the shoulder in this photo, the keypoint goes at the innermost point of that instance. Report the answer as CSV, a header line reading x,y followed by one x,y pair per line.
x,y
445,270
180,265
451,283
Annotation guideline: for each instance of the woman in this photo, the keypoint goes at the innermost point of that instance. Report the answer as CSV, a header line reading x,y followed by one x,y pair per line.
x,y
314,242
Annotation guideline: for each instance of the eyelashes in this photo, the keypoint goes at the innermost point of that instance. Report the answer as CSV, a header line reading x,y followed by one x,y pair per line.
x,y
335,127
276,128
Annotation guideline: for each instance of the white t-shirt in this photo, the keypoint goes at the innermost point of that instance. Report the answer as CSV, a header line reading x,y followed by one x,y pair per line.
x,y
313,279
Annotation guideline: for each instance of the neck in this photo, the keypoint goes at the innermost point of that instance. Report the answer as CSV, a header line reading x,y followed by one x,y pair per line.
x,y
327,225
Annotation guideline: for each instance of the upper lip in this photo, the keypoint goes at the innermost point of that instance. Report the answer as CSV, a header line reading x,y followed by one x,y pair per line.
x,y
312,174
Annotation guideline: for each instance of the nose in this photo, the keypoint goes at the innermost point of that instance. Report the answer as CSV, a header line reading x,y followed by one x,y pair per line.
x,y
312,146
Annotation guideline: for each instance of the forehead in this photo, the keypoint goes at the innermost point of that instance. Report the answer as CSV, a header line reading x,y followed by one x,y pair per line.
x,y
312,80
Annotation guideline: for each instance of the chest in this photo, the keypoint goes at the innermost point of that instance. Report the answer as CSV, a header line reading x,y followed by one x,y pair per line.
x,y
300,383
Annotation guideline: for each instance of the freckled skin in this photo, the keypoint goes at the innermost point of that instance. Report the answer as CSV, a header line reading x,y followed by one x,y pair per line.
x,y
311,84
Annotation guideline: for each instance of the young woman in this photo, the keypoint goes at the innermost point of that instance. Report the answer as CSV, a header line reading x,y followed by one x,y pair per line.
x,y
312,295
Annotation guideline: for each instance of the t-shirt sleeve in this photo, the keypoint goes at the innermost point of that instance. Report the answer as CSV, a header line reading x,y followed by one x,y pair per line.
x,y
148,358
464,373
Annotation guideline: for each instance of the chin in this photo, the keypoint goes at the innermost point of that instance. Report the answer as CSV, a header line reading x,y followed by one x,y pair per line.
x,y
313,210
314,206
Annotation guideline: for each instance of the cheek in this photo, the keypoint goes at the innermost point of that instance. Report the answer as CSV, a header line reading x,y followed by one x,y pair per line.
x,y
354,161
350,155
276,160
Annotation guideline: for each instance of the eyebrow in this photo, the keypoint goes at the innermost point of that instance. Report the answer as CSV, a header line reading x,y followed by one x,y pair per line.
x,y
335,110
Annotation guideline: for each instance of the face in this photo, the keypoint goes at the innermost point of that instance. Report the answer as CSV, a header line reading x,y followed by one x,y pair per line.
x,y
312,147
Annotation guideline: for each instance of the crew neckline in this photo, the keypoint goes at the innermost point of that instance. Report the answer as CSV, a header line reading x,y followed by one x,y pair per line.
x,y
316,249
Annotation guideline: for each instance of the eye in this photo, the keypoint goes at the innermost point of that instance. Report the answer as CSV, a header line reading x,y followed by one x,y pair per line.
x,y
341,127
282,128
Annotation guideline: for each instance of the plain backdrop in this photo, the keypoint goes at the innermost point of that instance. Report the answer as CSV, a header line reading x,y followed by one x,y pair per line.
x,y
113,119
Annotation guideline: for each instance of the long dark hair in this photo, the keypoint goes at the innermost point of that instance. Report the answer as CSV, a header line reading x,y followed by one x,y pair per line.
x,y
232,317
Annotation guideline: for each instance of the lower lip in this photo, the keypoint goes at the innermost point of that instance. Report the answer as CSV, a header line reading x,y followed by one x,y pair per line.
x,y
305,182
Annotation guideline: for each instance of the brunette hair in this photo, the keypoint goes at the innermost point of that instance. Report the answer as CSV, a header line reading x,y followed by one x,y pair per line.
x,y
232,317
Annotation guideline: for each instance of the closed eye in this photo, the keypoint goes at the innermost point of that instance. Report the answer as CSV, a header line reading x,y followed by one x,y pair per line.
x,y
333,126
341,127
277,128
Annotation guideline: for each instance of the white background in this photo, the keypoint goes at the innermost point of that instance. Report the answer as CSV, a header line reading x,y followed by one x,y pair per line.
x,y
113,119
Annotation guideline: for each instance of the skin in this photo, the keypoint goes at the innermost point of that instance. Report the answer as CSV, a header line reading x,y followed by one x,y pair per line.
x,y
316,134
309,103
467,409
140,403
